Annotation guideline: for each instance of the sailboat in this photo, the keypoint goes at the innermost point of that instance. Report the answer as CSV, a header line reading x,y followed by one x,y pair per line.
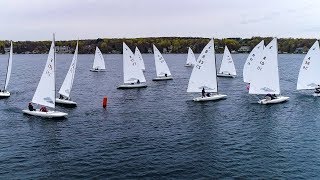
x,y
98,62
191,59
253,58
133,76
227,68
67,84
5,93
45,92
309,72
204,75
139,59
265,78
162,69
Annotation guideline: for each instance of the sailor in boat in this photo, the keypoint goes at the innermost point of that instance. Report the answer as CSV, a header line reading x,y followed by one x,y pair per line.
x,y
63,97
270,97
138,81
30,107
203,92
166,75
43,109
317,89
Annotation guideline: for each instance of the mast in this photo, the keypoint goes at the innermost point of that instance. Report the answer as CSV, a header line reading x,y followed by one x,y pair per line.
x,y
5,82
54,70
74,67
215,61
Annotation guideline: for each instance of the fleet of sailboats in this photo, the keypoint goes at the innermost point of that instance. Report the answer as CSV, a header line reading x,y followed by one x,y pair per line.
x,y
260,71
227,68
98,62
162,69
46,90
265,77
5,93
204,77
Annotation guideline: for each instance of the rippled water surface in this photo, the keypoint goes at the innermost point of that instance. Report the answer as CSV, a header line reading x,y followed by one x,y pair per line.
x,y
157,132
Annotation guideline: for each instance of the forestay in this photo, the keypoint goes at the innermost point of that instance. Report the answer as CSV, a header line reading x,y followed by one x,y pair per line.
x,y
68,81
161,65
310,69
131,69
265,78
45,92
9,67
98,62
191,59
204,72
227,65
253,58
139,59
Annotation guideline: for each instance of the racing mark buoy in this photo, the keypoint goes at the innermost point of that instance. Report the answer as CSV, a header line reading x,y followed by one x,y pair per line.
x,y
104,101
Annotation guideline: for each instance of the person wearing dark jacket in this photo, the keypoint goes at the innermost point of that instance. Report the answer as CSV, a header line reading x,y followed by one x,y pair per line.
x,y
31,107
203,92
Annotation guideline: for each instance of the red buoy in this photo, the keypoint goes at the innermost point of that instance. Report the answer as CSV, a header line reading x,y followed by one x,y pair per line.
x,y
104,102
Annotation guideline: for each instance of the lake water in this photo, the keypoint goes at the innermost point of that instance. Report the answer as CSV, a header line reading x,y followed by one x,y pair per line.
x,y
157,132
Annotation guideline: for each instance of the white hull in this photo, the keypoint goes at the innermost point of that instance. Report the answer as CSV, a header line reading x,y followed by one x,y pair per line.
x,y
211,98
65,102
4,94
279,99
130,86
49,114
188,65
163,78
226,75
97,70
316,94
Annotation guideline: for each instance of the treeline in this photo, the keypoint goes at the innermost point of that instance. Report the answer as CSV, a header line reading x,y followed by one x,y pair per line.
x,y
164,44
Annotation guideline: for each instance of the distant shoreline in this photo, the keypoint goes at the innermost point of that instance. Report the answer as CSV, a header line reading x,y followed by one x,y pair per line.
x,y
174,45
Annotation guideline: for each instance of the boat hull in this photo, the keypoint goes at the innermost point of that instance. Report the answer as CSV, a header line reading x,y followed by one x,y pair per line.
x,y
131,86
5,94
226,75
162,78
97,70
188,65
279,99
65,102
316,94
49,114
211,98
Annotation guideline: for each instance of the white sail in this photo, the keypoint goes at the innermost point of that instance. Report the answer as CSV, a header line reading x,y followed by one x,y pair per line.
x,y
265,78
68,81
204,74
98,62
9,67
310,69
191,59
227,65
253,57
161,65
139,59
45,93
131,69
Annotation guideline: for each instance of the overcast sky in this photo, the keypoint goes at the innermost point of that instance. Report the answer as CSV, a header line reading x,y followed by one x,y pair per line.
x,y
91,19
